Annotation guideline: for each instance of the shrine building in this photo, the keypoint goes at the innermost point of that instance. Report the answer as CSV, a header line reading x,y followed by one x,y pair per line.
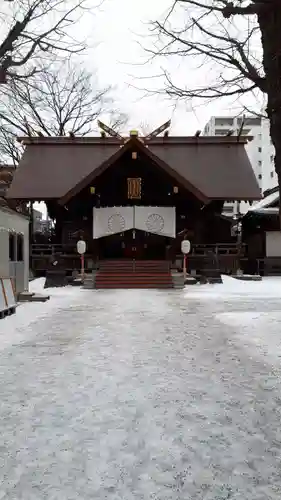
x,y
135,198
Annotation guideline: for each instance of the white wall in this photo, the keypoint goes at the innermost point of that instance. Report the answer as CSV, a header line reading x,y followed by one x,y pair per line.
x,y
11,221
269,177
255,154
261,153
273,244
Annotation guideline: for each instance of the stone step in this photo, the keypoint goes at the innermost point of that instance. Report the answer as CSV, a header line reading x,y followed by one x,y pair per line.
x,y
25,296
77,282
117,286
89,286
37,297
190,280
32,297
132,276
247,277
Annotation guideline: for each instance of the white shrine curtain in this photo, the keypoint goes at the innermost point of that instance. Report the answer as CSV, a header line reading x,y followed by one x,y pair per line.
x,y
112,220
157,220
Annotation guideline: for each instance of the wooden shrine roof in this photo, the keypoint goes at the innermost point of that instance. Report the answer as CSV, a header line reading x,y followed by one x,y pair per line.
x,y
57,167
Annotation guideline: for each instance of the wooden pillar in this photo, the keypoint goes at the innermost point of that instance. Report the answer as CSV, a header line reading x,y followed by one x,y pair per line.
x,y
200,230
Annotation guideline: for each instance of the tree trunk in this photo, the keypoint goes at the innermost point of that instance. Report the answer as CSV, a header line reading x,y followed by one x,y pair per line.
x,y
270,25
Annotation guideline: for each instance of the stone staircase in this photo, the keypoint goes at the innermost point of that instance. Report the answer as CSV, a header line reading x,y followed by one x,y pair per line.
x,y
133,274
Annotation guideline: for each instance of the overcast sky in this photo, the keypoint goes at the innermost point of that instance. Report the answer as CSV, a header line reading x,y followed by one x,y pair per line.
x,y
117,29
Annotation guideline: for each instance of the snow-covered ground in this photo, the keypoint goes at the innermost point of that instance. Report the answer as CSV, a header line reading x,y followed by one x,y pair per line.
x,y
162,395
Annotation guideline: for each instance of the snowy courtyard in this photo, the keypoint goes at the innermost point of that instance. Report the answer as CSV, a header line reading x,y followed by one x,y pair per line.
x,y
142,394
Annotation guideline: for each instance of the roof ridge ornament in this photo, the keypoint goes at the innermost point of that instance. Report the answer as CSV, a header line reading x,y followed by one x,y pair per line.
x,y
110,131
158,130
134,133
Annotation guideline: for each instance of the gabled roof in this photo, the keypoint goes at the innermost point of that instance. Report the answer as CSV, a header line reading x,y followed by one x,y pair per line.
x,y
210,167
135,144
220,170
49,169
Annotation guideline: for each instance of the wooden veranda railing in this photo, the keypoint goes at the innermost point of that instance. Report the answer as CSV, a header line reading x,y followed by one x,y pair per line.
x,y
217,249
226,256
48,249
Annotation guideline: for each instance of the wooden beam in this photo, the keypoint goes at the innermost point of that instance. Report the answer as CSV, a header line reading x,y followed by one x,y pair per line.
x,y
158,130
110,131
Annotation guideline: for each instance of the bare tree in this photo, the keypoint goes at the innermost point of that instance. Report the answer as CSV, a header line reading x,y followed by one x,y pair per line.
x,y
246,55
33,28
53,103
116,119
230,54
145,128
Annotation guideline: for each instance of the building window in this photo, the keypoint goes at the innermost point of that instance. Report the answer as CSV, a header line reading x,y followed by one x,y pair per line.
x,y
252,121
259,176
245,131
272,158
20,241
259,163
260,137
271,174
259,150
12,247
223,121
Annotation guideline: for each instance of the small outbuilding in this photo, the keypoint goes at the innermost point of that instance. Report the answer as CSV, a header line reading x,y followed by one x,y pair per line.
x,y
14,238
262,235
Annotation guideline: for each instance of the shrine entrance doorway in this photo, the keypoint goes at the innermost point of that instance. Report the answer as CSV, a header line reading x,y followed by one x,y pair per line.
x,y
134,244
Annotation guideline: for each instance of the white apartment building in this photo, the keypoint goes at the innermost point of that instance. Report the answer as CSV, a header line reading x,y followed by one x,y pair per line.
x,y
260,149
40,225
262,153
220,125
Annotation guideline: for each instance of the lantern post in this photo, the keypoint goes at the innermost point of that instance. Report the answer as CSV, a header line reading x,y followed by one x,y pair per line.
x,y
185,248
81,249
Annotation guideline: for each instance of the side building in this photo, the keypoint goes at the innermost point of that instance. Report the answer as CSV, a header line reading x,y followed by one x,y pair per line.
x,y
14,236
262,236
262,153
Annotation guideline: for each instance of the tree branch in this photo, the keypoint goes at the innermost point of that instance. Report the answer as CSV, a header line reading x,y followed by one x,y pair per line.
x,y
26,38
65,99
197,32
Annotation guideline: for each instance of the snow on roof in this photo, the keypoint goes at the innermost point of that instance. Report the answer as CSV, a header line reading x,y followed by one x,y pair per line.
x,y
267,211
265,202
